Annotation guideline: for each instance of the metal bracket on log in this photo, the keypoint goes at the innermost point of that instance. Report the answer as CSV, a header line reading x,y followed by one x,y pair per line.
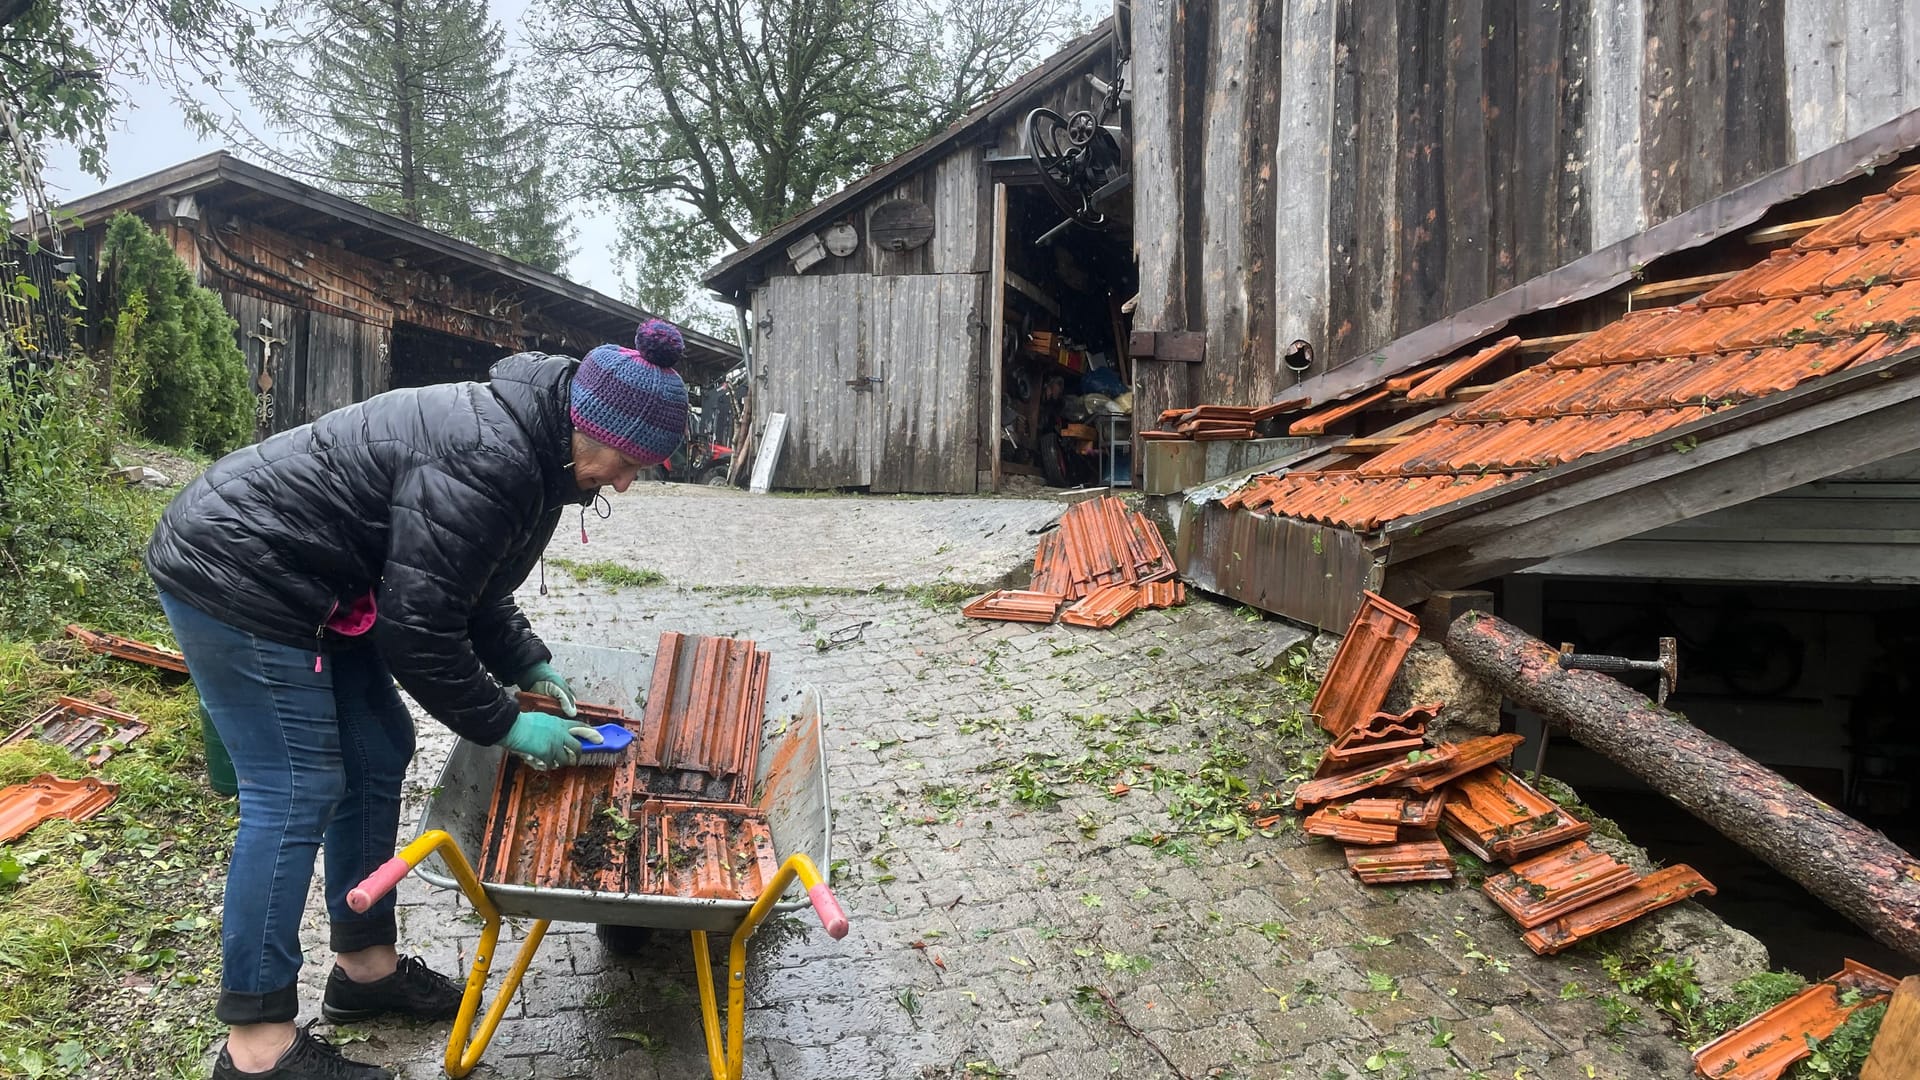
x,y
1667,666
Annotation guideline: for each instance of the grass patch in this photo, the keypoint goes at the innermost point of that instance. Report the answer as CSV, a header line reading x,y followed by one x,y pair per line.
x,y
940,594
618,575
109,938
785,592
1749,998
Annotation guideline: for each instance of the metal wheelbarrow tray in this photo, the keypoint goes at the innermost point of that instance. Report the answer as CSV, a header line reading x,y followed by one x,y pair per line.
x,y
788,786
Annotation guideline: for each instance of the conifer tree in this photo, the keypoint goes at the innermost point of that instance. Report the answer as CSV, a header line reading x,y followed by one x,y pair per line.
x,y
406,105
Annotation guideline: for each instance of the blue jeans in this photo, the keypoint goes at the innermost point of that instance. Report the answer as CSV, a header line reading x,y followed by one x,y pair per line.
x,y
319,756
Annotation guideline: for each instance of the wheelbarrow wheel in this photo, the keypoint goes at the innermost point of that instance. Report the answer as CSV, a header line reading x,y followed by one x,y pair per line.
x,y
622,940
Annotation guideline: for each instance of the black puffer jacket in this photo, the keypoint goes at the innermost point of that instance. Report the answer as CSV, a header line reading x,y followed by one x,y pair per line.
x,y
440,499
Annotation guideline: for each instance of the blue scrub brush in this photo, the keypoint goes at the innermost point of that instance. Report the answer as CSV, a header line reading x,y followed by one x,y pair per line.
x,y
613,740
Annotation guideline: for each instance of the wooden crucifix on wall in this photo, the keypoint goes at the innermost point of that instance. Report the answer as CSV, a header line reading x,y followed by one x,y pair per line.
x,y
263,408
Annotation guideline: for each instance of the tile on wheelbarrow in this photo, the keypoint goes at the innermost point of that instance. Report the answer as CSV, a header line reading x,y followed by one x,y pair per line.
x,y
701,732
572,829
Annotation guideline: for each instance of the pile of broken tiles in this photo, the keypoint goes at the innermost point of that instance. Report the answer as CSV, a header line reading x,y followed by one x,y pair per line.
x,y
1388,793
1104,563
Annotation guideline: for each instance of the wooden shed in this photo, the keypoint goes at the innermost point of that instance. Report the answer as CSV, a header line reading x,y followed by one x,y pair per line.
x,y
1348,172
337,302
882,316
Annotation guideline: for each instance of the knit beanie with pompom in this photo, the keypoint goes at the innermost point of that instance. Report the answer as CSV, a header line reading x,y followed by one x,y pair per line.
x,y
632,399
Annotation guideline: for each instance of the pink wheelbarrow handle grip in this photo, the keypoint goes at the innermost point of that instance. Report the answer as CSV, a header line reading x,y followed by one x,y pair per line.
x,y
827,906
381,882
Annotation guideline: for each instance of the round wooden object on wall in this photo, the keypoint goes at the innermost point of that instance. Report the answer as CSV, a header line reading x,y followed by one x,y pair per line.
x,y
842,239
900,225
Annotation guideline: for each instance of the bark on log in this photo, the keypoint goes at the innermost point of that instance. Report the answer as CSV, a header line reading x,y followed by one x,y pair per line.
x,y
1855,870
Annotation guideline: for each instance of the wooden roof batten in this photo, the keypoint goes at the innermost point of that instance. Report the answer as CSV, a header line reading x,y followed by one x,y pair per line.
x,y
332,220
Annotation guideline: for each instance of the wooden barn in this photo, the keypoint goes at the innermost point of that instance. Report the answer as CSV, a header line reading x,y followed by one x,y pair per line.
x,y
337,302
1322,181
881,315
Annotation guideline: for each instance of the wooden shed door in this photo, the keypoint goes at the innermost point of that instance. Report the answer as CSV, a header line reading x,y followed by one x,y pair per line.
x,y
877,377
341,355
925,409
810,340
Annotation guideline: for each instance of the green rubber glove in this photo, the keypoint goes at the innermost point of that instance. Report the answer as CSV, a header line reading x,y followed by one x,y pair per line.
x,y
541,678
545,741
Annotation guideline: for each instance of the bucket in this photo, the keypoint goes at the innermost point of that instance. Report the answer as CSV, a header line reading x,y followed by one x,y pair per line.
x,y
219,766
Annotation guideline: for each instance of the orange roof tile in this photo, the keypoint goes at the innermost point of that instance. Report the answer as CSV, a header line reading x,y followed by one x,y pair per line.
x,y
46,796
1413,860
1651,893
1333,825
1317,423
1014,605
86,728
1767,1045
629,825
1500,817
1413,812
1548,886
127,648
1363,667
1845,295
1104,607
1459,371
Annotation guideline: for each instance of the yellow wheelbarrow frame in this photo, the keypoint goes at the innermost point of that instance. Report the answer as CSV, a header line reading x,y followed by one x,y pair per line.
x,y
465,1045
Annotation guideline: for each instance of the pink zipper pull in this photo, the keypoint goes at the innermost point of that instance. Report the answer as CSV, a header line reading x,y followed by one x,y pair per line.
x,y
316,663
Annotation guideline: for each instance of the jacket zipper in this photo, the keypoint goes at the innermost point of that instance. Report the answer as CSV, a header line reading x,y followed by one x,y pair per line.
x,y
319,635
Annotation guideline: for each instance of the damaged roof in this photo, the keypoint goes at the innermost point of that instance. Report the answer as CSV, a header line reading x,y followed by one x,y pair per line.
x,y
1843,297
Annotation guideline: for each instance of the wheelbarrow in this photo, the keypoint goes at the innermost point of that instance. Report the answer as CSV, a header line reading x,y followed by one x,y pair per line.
x,y
790,787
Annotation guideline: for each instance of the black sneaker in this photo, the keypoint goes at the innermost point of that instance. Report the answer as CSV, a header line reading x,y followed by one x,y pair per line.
x,y
309,1058
413,990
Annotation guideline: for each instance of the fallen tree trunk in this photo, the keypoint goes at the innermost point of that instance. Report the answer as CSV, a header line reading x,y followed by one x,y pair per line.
x,y
1855,870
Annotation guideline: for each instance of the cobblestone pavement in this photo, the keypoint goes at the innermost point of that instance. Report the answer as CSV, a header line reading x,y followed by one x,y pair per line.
x,y
1000,933
721,536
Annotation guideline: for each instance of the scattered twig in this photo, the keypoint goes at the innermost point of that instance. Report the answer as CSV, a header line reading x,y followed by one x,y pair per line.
x,y
1119,1019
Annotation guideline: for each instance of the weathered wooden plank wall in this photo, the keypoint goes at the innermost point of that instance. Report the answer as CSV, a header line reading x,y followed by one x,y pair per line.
x,y
914,428
1427,154
808,347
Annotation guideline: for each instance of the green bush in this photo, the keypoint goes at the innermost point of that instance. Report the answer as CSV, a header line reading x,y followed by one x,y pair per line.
x,y
179,376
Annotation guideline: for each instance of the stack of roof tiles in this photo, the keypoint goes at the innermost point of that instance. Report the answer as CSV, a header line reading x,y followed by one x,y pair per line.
x,y
89,730
1845,295
670,816
1103,563
1207,423
1388,793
